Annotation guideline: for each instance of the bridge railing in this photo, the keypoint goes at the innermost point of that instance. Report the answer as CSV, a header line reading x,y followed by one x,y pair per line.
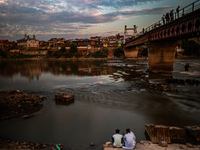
x,y
182,12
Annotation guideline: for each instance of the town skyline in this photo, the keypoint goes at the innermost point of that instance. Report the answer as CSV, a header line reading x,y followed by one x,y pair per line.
x,y
79,19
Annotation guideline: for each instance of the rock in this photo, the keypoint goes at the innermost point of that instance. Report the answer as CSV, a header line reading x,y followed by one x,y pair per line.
x,y
60,145
182,147
163,144
107,144
145,142
26,116
53,148
189,145
44,145
64,97
19,147
91,144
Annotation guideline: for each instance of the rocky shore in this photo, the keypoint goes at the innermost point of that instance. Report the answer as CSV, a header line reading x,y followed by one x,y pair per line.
x,y
169,85
148,145
9,144
16,104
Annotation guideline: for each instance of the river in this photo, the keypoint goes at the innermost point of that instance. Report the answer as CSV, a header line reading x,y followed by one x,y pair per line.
x,y
107,96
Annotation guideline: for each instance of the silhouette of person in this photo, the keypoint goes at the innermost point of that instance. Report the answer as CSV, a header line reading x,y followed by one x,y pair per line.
x,y
172,15
177,11
163,19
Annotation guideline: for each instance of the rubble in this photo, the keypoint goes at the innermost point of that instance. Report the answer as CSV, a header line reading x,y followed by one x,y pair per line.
x,y
16,104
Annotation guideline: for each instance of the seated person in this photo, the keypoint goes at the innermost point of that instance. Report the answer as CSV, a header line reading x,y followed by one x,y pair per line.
x,y
117,139
129,140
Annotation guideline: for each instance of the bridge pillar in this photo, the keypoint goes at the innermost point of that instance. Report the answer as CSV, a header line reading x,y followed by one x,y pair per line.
x,y
161,56
131,52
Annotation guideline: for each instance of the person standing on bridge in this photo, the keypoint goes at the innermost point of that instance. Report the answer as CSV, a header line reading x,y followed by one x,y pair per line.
x,y
172,15
163,19
177,11
167,17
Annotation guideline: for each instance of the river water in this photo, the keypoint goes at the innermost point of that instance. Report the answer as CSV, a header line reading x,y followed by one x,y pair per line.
x,y
107,96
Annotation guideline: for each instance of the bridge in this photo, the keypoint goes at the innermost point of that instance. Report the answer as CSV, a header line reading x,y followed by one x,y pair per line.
x,y
161,37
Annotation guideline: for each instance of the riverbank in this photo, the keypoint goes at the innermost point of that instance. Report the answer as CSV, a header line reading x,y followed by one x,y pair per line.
x,y
148,145
16,104
6,144
63,59
77,59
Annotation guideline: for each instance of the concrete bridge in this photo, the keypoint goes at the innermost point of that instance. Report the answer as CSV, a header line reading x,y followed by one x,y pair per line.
x,y
161,38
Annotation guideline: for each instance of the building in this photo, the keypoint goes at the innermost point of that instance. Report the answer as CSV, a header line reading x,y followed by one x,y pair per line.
x,y
7,45
56,42
28,42
95,43
43,44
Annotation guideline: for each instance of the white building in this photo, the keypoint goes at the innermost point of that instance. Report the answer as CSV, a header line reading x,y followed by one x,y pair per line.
x,y
28,42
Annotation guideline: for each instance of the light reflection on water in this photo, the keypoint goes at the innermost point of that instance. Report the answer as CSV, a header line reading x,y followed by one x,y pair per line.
x,y
106,98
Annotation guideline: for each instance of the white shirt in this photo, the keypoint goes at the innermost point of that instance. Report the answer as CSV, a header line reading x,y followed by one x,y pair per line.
x,y
129,140
117,140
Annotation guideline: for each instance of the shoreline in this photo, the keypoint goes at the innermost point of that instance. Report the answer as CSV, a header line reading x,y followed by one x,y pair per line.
x,y
148,145
90,58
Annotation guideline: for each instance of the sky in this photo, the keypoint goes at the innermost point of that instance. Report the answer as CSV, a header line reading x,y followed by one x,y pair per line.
x,y
72,19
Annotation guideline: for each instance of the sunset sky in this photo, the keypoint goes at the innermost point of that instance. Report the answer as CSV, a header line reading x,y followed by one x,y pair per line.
x,y
79,18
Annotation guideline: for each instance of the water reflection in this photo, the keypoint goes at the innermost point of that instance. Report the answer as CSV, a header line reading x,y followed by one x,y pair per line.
x,y
64,103
34,69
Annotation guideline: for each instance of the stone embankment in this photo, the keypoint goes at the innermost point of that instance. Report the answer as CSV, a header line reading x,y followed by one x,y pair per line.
x,y
148,145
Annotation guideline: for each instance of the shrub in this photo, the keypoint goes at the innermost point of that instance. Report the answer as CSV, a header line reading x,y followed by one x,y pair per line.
x,y
2,53
118,52
62,49
68,55
191,47
57,54
105,51
49,52
73,48
78,55
99,54
21,56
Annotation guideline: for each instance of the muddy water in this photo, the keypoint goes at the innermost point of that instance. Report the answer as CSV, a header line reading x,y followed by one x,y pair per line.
x,y
107,96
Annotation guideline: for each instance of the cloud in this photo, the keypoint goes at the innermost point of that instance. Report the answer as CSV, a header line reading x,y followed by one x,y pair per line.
x,y
65,16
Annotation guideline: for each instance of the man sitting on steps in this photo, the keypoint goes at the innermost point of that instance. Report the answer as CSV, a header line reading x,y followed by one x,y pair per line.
x,y
117,139
129,140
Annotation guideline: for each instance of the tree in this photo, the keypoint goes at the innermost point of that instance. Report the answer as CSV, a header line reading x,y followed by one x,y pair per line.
x,y
49,52
57,54
62,49
68,55
99,54
73,48
105,51
118,52
191,47
2,53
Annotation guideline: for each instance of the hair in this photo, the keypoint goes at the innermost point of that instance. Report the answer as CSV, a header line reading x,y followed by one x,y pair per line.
x,y
128,130
117,130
